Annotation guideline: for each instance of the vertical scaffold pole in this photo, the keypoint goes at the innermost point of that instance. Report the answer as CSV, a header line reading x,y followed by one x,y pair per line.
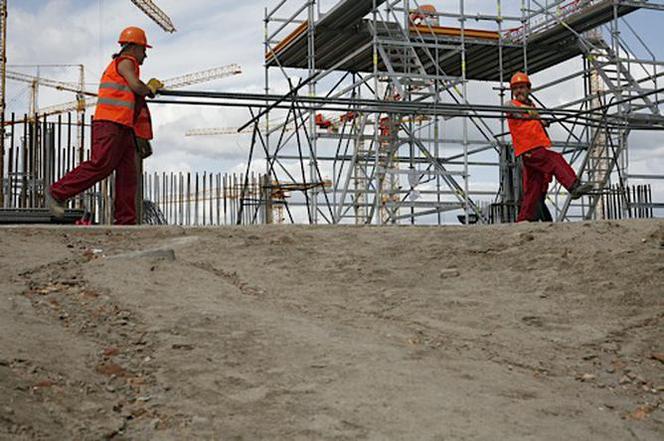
x,y
311,64
268,178
464,91
506,168
525,20
378,196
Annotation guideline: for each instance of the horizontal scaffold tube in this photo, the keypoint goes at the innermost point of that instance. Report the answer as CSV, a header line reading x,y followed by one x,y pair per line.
x,y
267,101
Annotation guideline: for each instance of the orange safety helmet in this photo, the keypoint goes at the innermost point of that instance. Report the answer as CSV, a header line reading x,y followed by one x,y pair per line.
x,y
427,9
520,78
134,35
422,12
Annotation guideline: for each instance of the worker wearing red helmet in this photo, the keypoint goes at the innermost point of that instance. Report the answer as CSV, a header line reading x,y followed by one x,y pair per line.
x,y
533,145
120,116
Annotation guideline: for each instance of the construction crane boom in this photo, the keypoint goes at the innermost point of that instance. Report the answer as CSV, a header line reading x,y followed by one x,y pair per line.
x,y
276,126
69,106
216,131
55,84
203,76
211,131
156,14
172,83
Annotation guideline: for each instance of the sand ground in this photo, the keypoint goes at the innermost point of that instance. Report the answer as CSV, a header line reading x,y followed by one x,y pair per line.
x,y
528,332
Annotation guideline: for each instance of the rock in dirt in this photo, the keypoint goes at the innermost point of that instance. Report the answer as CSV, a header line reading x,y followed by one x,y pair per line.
x,y
586,377
641,412
111,351
449,273
165,254
200,422
109,369
527,237
624,380
659,356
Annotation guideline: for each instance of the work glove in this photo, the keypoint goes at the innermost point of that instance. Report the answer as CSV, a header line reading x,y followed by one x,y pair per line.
x,y
143,148
155,85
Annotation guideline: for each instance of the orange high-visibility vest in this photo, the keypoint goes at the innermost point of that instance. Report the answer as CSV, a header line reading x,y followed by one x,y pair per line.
x,y
527,134
116,101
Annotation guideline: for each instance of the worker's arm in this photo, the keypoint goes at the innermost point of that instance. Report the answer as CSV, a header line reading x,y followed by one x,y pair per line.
x,y
518,113
525,112
126,69
534,114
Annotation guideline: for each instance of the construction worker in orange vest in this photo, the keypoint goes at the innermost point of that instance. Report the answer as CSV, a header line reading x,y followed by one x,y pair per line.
x,y
120,116
533,145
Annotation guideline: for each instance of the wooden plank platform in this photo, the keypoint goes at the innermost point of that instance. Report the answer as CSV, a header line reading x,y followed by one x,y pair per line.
x,y
36,216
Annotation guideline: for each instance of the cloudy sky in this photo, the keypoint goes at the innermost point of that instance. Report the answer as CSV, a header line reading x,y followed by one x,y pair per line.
x,y
214,33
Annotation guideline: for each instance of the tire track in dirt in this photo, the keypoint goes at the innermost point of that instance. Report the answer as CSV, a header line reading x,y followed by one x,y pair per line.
x,y
126,376
232,278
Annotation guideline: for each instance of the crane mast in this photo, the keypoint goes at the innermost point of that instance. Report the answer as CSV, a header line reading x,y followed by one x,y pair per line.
x,y
3,89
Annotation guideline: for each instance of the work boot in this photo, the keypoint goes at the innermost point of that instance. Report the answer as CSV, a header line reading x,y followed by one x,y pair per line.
x,y
56,207
579,189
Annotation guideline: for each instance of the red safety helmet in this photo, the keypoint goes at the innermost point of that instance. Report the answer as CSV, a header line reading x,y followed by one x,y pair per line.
x,y
134,35
520,78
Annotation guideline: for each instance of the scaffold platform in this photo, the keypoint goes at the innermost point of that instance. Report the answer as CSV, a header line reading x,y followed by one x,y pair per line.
x,y
343,41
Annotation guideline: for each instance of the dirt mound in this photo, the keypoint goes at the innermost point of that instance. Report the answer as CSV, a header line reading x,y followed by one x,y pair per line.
x,y
528,332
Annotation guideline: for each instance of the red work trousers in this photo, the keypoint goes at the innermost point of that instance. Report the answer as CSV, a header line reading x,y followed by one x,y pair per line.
x,y
541,212
113,149
538,167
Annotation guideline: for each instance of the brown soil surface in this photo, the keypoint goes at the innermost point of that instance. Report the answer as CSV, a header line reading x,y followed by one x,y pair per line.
x,y
528,332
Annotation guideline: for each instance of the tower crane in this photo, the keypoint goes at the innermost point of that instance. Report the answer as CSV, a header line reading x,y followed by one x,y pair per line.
x,y
79,89
36,81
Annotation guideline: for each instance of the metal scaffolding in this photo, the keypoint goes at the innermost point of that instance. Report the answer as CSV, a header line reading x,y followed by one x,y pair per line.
x,y
384,105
